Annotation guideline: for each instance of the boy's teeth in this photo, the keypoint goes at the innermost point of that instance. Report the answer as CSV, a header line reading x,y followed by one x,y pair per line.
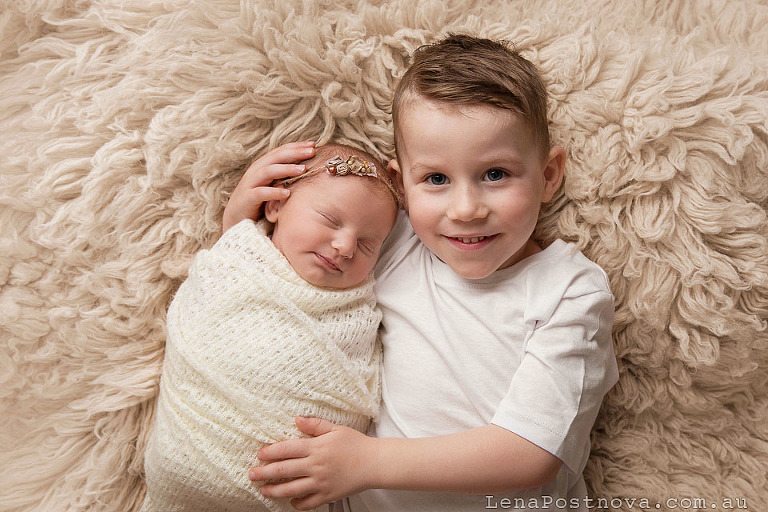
x,y
471,240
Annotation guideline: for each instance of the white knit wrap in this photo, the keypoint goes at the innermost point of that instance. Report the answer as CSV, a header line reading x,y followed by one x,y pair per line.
x,y
250,346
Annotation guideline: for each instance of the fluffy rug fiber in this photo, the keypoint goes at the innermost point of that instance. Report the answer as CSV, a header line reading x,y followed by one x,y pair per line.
x,y
125,124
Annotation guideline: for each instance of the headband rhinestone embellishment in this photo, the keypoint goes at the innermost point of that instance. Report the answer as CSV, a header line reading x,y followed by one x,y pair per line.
x,y
352,165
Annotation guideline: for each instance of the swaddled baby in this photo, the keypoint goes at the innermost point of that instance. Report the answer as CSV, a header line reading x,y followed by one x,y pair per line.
x,y
277,320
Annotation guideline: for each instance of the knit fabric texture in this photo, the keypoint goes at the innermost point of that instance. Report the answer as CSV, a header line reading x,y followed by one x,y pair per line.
x,y
251,346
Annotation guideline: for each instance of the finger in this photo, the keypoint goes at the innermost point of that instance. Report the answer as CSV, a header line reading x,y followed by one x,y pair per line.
x,y
280,470
263,194
298,488
314,426
290,449
308,502
248,203
259,175
289,153
297,144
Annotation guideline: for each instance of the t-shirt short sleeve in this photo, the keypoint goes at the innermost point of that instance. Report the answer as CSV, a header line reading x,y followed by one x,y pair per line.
x,y
567,365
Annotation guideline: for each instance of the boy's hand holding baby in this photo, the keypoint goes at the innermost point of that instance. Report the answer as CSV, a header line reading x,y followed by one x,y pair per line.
x,y
254,188
330,464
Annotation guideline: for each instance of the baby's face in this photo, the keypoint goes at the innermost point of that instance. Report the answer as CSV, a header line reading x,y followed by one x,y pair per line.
x,y
331,228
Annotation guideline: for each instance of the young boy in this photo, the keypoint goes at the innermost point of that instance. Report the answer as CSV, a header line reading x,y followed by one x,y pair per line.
x,y
276,320
497,353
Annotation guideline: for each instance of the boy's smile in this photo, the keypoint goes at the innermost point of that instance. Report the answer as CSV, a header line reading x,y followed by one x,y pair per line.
x,y
474,182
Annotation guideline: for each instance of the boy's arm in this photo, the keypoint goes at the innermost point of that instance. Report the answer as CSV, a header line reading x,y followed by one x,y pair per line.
x,y
255,188
339,461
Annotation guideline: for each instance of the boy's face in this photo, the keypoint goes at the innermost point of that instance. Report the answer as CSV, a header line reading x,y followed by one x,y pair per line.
x,y
474,182
330,229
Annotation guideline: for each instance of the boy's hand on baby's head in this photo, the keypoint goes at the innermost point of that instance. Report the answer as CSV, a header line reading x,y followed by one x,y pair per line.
x,y
316,470
254,188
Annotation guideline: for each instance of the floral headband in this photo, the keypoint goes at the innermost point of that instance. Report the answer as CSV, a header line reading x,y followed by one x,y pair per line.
x,y
352,165
337,166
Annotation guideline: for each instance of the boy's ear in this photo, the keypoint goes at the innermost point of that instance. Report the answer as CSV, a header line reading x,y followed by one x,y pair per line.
x,y
554,168
272,209
393,168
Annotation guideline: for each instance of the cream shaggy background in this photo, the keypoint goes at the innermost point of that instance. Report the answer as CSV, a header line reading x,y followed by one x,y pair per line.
x,y
125,124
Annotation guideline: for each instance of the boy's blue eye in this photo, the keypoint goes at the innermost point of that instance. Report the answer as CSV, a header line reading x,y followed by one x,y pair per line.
x,y
437,179
494,174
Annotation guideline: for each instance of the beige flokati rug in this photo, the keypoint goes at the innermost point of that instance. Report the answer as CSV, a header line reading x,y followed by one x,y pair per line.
x,y
125,124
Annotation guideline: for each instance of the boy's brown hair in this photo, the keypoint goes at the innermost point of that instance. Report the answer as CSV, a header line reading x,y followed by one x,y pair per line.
x,y
467,70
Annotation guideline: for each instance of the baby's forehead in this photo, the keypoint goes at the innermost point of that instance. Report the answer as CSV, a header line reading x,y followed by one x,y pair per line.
x,y
322,182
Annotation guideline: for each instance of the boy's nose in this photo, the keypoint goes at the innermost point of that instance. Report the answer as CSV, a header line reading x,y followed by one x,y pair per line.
x,y
345,244
466,205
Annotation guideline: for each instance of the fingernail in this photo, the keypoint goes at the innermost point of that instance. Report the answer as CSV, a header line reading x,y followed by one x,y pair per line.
x,y
251,475
285,192
300,168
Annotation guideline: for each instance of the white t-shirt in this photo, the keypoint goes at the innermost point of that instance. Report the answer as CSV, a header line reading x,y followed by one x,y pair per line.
x,y
527,348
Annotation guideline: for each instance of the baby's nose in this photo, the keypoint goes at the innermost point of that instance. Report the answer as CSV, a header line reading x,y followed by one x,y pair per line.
x,y
345,244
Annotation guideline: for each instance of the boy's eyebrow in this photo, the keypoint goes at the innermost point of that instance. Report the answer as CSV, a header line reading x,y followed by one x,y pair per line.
x,y
502,160
419,167
507,157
